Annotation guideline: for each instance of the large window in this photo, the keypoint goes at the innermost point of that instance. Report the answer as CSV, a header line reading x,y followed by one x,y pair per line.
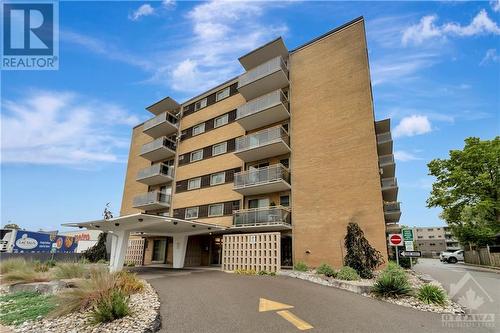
x,y
200,104
219,148
217,178
222,94
194,183
222,120
216,210
198,129
192,213
285,200
196,155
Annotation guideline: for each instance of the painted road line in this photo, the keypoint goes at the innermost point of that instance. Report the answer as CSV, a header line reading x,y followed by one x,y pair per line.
x,y
296,321
268,305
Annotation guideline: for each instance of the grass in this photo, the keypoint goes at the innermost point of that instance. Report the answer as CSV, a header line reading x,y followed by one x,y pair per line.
x,y
326,270
392,282
300,266
26,274
69,271
348,274
432,294
128,282
10,265
110,307
20,307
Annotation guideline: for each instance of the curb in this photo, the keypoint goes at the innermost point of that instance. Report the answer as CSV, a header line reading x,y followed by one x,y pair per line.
x,y
492,269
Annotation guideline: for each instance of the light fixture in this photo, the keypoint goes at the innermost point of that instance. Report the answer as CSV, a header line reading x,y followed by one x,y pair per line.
x,y
80,227
194,225
140,219
117,224
209,228
308,252
175,222
97,226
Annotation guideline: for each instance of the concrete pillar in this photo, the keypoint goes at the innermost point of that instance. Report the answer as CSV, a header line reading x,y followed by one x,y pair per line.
x,y
118,250
179,248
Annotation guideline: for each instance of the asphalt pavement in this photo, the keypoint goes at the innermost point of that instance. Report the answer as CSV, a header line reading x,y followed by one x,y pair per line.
x,y
213,301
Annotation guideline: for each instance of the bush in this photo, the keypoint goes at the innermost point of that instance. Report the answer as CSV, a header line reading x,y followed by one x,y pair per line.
x,y
51,263
300,266
326,270
128,283
348,274
360,254
40,266
392,282
9,265
97,252
432,294
245,272
110,307
69,271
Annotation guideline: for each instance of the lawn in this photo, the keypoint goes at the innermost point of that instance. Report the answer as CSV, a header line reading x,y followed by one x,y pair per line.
x,y
20,307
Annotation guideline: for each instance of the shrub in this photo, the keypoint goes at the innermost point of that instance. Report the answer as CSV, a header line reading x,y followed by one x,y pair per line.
x,y
97,252
360,254
51,263
348,274
128,283
262,273
245,272
326,270
69,271
9,265
392,282
432,294
40,266
110,307
300,266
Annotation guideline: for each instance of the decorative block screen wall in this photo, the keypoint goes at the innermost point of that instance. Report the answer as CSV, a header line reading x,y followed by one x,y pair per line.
x,y
260,252
135,252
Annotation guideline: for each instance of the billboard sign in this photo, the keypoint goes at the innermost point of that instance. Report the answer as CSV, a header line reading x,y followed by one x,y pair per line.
x,y
29,241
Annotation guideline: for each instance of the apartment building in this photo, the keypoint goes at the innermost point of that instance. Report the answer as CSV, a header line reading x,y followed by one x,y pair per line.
x,y
268,167
433,240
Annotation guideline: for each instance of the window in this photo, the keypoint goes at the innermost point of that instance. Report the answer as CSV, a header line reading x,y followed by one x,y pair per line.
x,y
196,155
222,120
217,178
200,104
431,236
194,183
198,129
285,200
219,148
192,213
430,229
216,210
222,94
420,236
258,203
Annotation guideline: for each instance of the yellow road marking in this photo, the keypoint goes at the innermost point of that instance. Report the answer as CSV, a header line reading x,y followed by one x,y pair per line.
x,y
267,305
296,321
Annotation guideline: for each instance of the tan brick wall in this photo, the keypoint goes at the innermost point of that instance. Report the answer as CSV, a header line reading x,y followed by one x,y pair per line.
x,y
135,163
208,195
334,155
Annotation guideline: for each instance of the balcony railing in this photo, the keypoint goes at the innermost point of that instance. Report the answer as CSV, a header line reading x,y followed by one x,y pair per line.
x,y
386,159
152,198
164,117
262,138
155,170
264,175
262,70
388,183
384,137
262,216
162,142
262,103
391,206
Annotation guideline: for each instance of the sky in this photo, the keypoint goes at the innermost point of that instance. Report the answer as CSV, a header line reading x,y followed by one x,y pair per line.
x,y
435,70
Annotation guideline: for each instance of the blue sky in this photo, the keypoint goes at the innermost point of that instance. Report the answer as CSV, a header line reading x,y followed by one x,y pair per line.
x,y
435,70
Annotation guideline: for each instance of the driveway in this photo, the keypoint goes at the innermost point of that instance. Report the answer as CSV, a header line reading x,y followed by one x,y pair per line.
x,y
476,288
199,300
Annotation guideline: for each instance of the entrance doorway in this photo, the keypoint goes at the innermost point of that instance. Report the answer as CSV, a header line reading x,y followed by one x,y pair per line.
x,y
216,250
286,251
159,251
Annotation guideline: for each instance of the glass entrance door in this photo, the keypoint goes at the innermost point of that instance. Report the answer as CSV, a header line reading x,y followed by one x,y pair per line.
x,y
159,251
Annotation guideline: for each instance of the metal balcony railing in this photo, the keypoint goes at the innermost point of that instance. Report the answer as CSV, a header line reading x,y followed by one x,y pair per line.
x,y
156,169
262,216
384,137
391,206
389,183
162,142
264,175
150,198
386,159
164,117
262,103
262,70
262,138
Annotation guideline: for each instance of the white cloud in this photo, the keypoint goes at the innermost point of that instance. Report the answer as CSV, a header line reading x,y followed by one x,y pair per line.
x,y
396,67
143,10
168,3
495,5
412,125
490,56
427,29
54,127
404,156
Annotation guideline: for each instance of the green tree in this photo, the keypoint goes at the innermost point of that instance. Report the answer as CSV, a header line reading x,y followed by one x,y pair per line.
x,y
467,189
11,226
360,254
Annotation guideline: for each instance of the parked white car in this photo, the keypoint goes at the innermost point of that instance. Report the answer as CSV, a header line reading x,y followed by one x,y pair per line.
x,y
452,257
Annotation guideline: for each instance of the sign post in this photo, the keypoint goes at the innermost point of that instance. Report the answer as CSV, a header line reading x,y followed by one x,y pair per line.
x,y
396,240
408,239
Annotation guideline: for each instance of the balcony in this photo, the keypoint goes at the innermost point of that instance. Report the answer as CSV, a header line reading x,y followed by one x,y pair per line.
x,y
274,178
152,201
265,110
269,76
159,173
384,144
263,144
392,212
389,189
387,166
159,149
164,124
265,216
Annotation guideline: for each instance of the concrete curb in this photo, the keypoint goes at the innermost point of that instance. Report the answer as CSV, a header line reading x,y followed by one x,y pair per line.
x,y
357,287
485,268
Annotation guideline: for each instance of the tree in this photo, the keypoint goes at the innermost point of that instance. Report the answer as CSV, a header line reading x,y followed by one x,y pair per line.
x,y
98,251
107,213
360,254
11,226
467,189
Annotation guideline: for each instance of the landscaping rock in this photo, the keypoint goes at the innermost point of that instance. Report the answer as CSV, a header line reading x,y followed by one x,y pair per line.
x,y
41,287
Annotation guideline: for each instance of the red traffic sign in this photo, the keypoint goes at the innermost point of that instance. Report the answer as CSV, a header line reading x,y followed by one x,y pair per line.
x,y
395,239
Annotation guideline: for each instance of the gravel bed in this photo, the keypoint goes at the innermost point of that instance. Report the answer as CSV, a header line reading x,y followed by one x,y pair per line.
x,y
144,318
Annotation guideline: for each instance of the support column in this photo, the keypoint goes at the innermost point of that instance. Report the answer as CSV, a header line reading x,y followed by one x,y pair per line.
x,y
179,248
118,250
